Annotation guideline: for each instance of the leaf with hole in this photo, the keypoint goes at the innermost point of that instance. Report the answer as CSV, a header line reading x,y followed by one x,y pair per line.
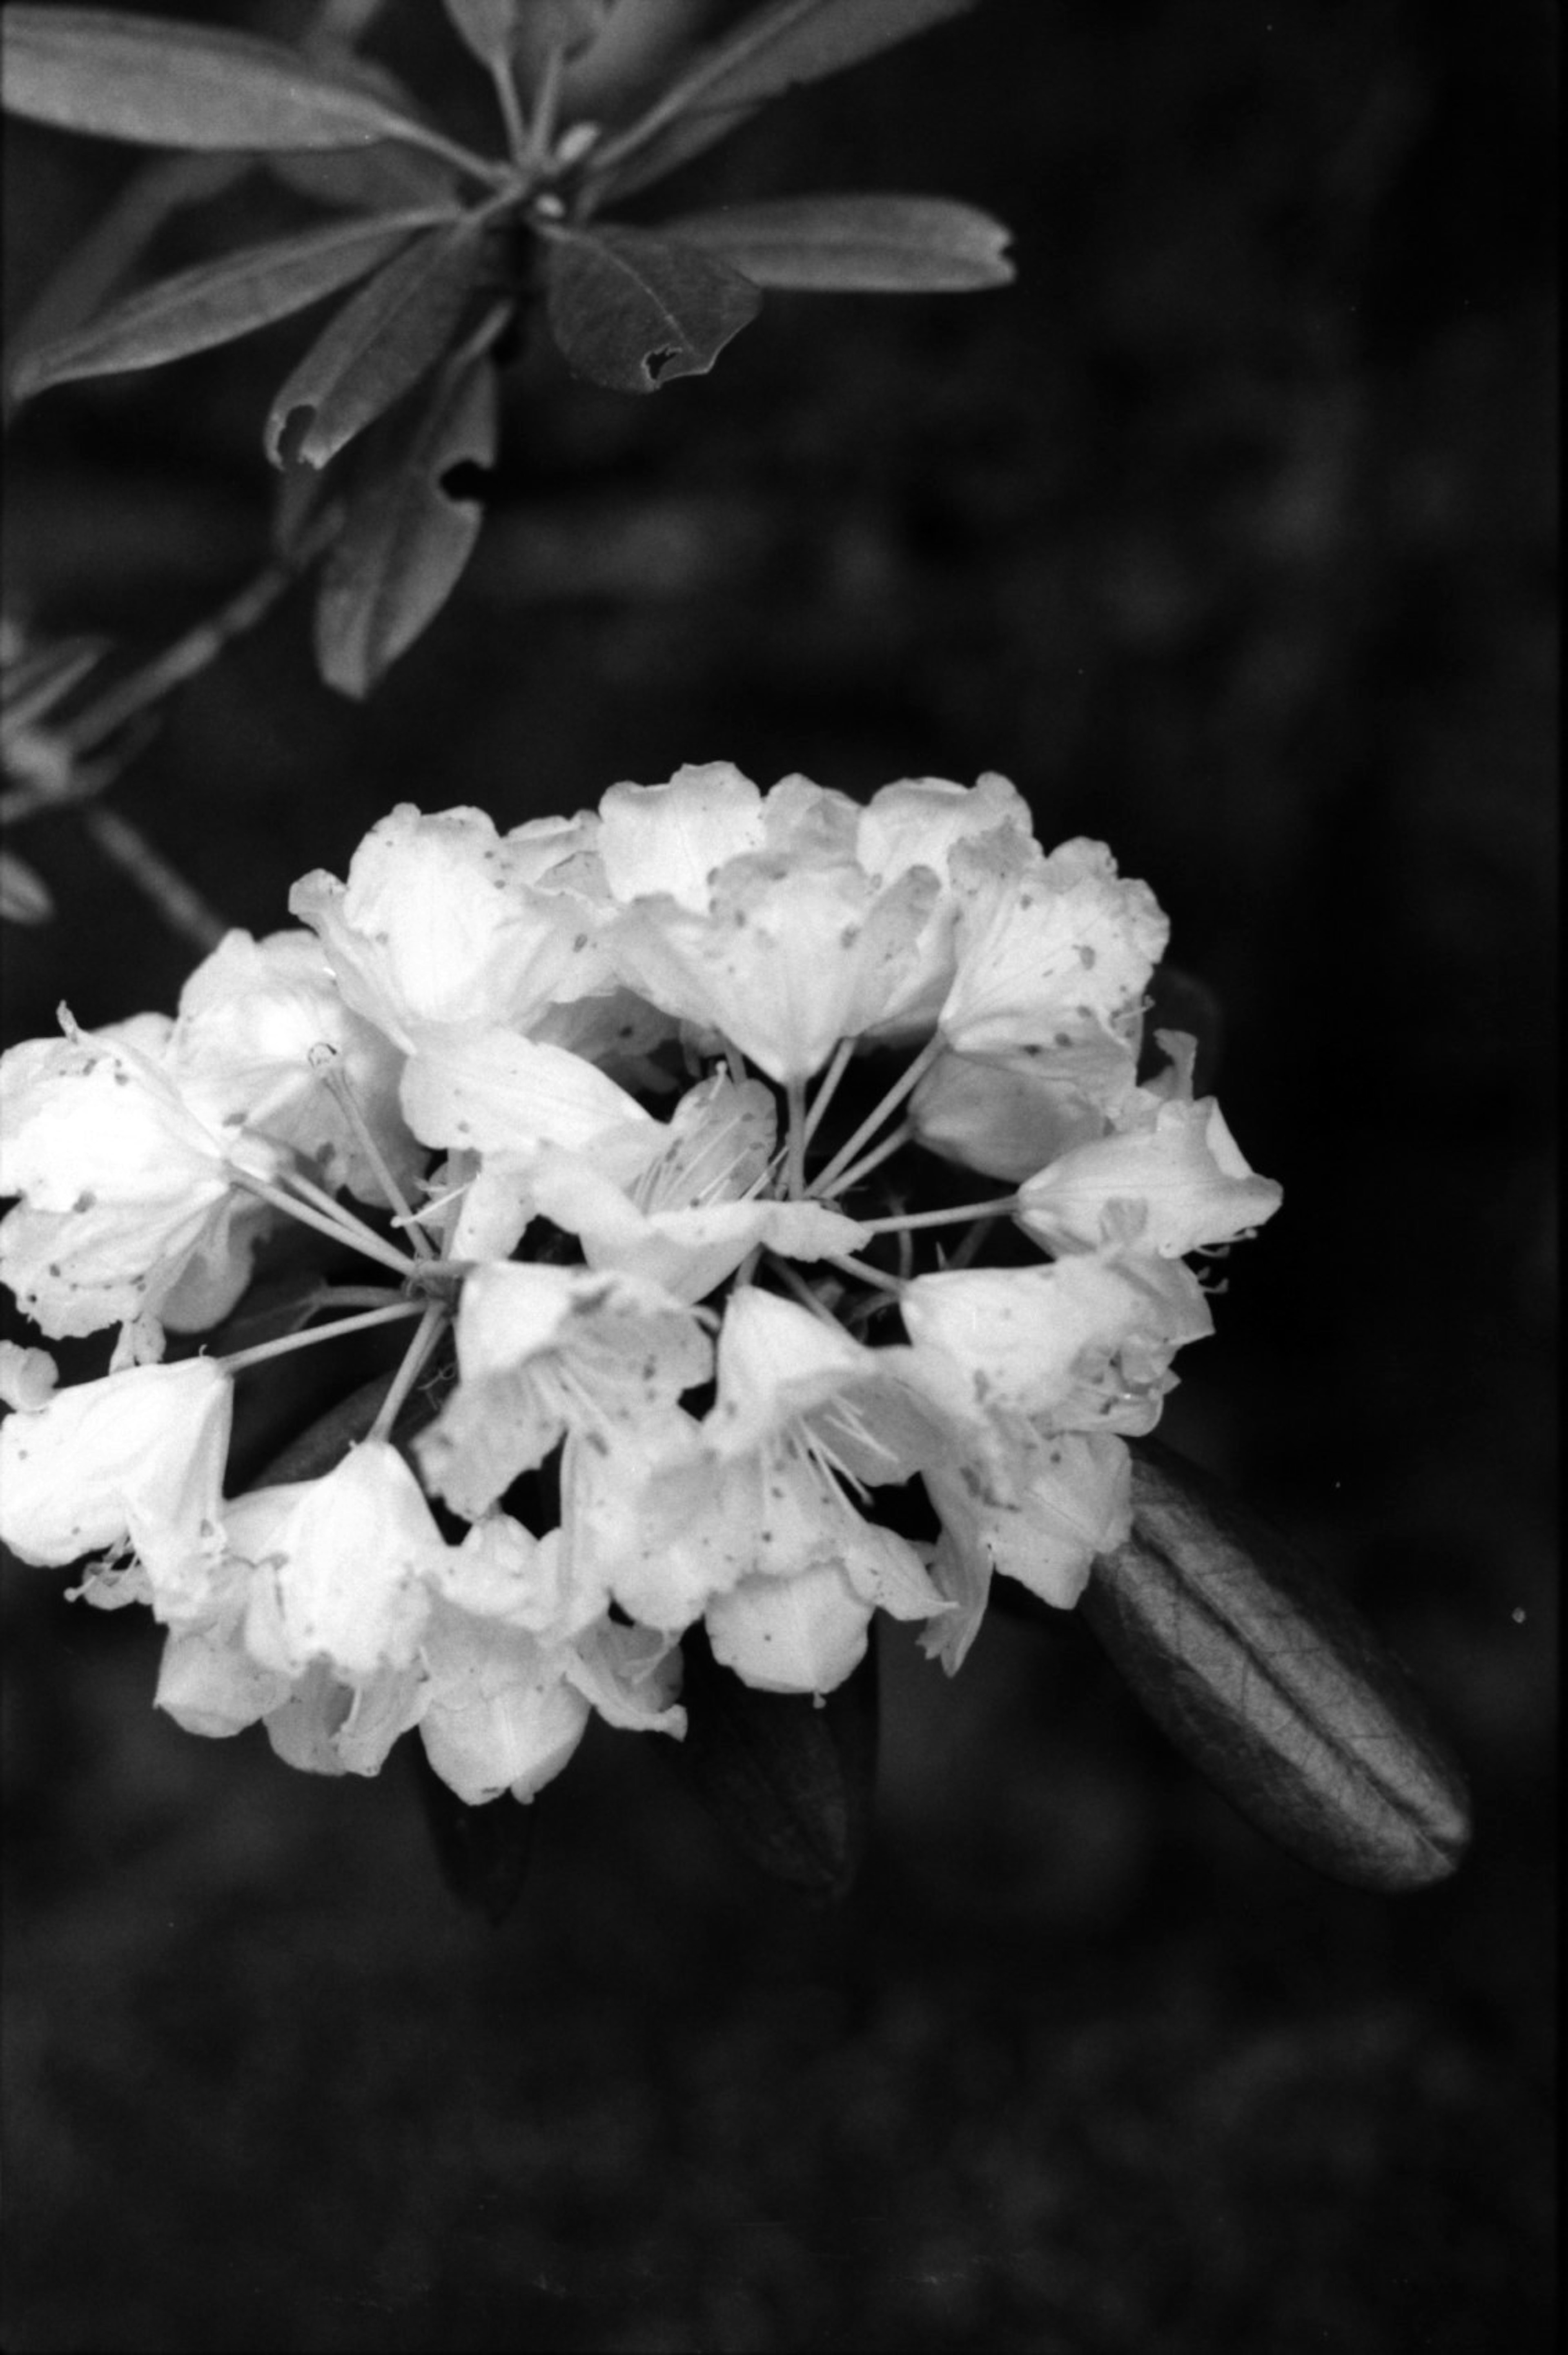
x,y
216,302
406,535
1273,1685
162,83
630,310
854,244
378,346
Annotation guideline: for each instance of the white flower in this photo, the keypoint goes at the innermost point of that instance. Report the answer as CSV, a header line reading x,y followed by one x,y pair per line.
x,y
1176,1182
241,1052
541,1350
1010,1114
752,917
1035,1374
1049,950
756,1495
344,1567
670,838
123,1186
501,1713
135,1459
1038,1506
682,1222
1085,1342
443,927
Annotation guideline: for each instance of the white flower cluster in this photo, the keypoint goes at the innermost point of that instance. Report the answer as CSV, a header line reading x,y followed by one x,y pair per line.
x,y
586,1082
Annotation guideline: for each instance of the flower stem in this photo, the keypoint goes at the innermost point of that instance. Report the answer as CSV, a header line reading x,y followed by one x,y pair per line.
x,y
323,1059
830,1081
862,1273
242,1358
342,1230
403,1381
794,1181
908,1220
903,1086
874,1159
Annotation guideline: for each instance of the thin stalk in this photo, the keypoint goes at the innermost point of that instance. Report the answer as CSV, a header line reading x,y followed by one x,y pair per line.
x,y
355,1229
363,1241
243,1358
830,1079
324,1058
408,1374
907,1222
862,1273
794,1096
902,1087
873,1160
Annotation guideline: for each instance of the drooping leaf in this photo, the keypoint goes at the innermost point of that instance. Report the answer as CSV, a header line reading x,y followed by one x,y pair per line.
x,y
369,353
792,1783
24,896
791,42
483,1851
406,537
163,83
1273,1685
630,310
873,244
217,301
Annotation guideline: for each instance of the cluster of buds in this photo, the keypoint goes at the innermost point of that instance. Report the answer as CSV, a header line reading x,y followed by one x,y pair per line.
x,y
625,1113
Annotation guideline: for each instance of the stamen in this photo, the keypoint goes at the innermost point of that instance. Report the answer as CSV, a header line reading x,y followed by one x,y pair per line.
x,y
323,1059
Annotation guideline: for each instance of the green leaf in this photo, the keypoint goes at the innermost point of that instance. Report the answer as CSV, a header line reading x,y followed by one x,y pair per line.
x,y
872,245
631,311
217,301
790,1782
393,332
163,83
794,42
406,538
1274,1686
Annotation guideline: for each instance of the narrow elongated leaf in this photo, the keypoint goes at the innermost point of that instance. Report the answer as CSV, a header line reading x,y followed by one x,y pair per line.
x,y
791,42
217,301
871,245
406,538
790,1782
1274,1686
31,684
24,896
163,83
377,346
630,310
385,179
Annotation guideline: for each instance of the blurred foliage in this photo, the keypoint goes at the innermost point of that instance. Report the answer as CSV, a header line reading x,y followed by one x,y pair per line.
x,y
1227,532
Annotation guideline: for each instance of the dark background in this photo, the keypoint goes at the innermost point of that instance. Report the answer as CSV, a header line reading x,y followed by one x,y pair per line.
x,y
1227,534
